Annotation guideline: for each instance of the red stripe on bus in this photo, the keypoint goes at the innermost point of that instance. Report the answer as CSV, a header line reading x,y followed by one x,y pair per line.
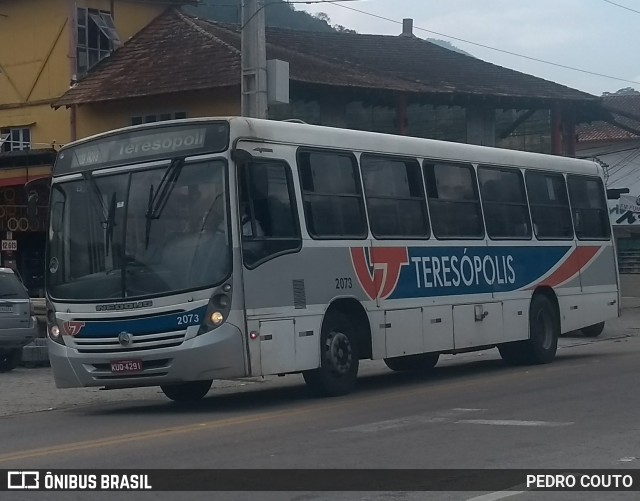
x,y
572,265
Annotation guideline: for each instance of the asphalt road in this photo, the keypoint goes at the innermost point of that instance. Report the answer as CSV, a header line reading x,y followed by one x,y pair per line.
x,y
472,411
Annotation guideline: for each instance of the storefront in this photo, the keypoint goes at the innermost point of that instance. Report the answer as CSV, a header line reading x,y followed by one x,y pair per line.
x,y
625,218
23,237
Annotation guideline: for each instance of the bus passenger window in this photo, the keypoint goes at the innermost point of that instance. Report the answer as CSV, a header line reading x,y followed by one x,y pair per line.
x,y
589,208
453,201
549,206
268,219
395,197
332,195
504,203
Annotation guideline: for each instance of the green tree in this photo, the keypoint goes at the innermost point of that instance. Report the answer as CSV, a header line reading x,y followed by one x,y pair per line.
x,y
278,14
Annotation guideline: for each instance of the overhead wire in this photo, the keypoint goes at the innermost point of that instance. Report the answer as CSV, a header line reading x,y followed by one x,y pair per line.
x,y
503,51
622,6
280,2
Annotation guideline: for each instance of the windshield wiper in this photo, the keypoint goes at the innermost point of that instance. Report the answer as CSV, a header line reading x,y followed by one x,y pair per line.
x,y
158,200
111,218
108,214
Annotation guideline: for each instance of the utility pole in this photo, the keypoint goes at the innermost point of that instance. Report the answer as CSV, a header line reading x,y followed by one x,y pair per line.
x,y
254,60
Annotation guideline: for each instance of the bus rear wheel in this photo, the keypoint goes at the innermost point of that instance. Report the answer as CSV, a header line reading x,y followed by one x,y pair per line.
x,y
339,358
191,391
544,329
10,359
415,363
593,330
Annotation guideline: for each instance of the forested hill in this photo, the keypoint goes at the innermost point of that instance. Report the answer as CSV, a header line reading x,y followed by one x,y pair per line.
x,y
278,14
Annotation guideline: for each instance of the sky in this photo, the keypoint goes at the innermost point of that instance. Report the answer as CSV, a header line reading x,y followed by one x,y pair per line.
x,y
591,35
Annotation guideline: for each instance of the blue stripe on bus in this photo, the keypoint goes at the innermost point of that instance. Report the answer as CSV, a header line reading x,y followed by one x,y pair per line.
x,y
446,271
140,326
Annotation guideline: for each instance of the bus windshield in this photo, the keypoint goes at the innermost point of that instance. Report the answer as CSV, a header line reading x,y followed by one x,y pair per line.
x,y
139,233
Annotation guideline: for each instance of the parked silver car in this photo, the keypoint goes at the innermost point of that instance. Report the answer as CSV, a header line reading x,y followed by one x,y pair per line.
x,y
18,326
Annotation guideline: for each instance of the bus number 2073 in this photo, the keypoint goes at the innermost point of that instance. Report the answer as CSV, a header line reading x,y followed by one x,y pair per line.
x,y
343,283
189,319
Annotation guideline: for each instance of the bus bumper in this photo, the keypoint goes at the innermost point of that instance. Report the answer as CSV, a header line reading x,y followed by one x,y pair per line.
x,y
219,354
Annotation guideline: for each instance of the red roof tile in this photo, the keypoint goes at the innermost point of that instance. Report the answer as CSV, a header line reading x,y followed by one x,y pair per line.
x,y
625,110
178,53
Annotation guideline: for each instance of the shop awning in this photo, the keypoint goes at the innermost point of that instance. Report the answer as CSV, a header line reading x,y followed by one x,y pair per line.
x,y
22,175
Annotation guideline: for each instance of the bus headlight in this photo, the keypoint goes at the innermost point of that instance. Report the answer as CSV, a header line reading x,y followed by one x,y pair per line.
x,y
52,325
217,311
216,318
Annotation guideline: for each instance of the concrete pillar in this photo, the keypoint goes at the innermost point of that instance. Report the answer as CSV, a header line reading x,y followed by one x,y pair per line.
x,y
481,125
401,115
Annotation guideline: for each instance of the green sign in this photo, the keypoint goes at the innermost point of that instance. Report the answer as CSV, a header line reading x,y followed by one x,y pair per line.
x,y
140,145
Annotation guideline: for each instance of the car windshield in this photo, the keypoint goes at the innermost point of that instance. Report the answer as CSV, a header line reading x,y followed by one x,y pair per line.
x,y
10,287
139,233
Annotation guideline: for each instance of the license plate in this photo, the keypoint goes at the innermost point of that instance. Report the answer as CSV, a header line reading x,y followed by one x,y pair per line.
x,y
6,309
126,366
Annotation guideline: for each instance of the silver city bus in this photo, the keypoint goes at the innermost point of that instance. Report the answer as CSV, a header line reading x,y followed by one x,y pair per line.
x,y
193,250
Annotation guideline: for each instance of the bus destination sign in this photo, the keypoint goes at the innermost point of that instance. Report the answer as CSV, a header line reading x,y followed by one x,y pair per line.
x,y
143,145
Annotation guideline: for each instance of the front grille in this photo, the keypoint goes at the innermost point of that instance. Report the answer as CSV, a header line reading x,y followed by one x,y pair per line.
x,y
129,376
140,343
146,365
150,369
129,317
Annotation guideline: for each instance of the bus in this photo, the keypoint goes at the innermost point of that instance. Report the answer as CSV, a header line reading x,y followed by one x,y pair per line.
x,y
193,250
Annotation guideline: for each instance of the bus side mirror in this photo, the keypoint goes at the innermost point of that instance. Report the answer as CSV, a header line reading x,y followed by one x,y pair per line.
x,y
32,205
241,157
57,210
614,193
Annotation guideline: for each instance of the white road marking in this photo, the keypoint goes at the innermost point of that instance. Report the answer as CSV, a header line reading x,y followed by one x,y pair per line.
x,y
392,423
408,421
627,459
492,496
513,422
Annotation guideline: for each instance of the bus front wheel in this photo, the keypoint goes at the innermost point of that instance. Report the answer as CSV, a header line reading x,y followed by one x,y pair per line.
x,y
339,358
420,362
593,330
187,392
544,329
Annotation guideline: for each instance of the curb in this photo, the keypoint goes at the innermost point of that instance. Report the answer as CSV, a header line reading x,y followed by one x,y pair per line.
x,y
630,302
35,354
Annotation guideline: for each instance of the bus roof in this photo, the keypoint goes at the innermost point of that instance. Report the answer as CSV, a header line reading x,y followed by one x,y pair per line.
x,y
301,134
375,142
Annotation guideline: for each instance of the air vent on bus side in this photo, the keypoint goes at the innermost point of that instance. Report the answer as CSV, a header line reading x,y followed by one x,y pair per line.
x,y
299,295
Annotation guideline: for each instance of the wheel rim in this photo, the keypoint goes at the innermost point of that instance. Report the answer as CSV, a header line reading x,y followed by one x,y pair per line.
x,y
339,352
544,329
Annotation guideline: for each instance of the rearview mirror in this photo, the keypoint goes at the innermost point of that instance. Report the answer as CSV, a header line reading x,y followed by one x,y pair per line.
x,y
57,210
32,205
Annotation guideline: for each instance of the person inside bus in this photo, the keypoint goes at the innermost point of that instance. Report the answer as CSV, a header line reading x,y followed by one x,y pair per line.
x,y
247,227
197,256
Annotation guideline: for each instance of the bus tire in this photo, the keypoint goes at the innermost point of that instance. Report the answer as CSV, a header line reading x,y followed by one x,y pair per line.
x,y
414,363
191,391
10,359
339,358
544,329
593,330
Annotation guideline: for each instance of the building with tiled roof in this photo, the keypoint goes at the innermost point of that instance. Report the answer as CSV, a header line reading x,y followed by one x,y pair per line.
x,y
185,53
622,125
190,66
44,45
615,143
